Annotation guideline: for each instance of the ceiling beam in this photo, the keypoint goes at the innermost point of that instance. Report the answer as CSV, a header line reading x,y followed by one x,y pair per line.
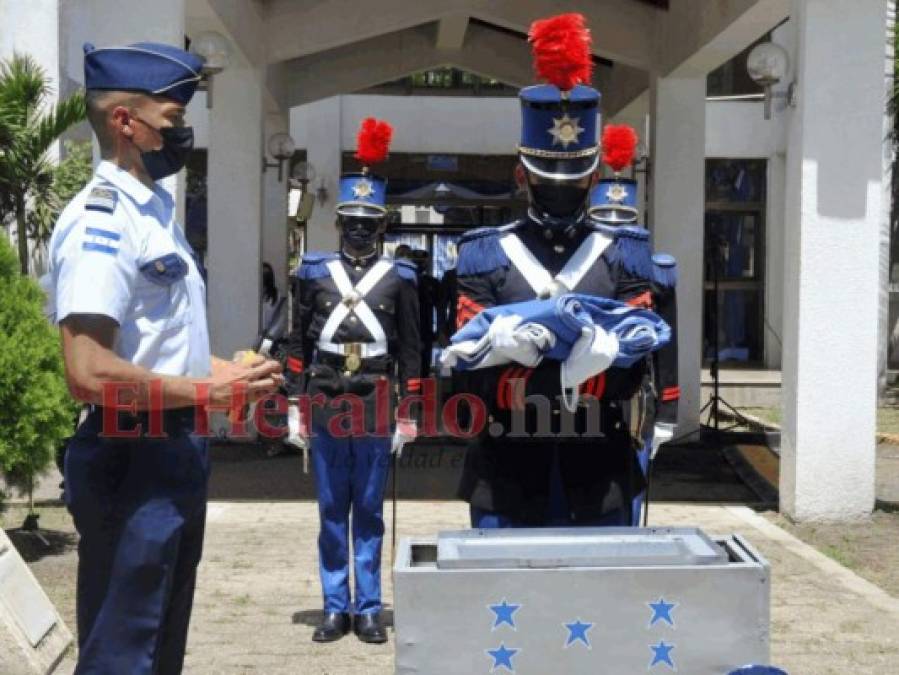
x,y
366,64
622,85
622,29
695,38
451,32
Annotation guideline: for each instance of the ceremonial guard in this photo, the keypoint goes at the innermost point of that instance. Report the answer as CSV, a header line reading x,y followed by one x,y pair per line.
x,y
613,204
355,336
130,302
552,476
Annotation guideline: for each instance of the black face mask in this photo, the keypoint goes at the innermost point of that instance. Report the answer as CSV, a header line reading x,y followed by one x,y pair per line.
x,y
360,233
558,200
177,142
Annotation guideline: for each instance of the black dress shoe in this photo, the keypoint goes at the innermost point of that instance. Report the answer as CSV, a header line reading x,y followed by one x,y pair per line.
x,y
334,626
368,628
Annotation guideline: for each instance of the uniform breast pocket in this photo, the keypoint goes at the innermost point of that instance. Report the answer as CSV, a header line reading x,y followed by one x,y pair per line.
x,y
162,301
386,307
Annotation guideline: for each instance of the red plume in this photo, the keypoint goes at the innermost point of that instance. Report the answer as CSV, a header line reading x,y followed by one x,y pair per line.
x,y
619,145
373,141
561,47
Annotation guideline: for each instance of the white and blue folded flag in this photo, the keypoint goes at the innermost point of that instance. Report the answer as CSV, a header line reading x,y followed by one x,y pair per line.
x,y
587,334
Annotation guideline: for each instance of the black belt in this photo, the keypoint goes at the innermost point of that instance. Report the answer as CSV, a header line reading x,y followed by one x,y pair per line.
x,y
376,364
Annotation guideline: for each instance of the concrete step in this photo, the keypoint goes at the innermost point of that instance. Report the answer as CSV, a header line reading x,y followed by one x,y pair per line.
x,y
744,388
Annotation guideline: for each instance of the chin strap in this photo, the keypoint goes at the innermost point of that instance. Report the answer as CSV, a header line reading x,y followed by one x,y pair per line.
x,y
359,259
568,225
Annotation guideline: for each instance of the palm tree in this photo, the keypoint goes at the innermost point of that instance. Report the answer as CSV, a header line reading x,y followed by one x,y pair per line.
x,y
28,127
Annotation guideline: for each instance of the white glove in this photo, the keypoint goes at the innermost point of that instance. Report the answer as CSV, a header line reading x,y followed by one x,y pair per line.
x,y
296,433
406,431
662,432
522,343
592,353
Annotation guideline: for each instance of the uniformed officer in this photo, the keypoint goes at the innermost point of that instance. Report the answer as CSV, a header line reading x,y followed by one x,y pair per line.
x,y
613,204
128,297
355,331
553,477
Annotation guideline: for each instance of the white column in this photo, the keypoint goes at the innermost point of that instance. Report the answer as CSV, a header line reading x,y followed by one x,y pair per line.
x,y
235,208
274,208
677,214
323,134
884,329
834,196
774,260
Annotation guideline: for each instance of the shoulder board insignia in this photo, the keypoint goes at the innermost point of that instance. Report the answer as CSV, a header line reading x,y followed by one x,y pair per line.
x,y
102,198
316,257
480,250
314,265
489,231
665,270
478,233
631,231
630,251
664,260
407,270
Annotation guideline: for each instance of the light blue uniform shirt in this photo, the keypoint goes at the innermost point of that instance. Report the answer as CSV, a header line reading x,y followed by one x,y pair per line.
x,y
118,251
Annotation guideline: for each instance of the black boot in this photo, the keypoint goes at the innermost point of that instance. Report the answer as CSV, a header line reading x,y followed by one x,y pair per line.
x,y
368,628
334,626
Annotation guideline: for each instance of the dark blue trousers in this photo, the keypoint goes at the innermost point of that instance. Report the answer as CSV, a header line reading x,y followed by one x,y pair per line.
x,y
557,513
139,506
350,477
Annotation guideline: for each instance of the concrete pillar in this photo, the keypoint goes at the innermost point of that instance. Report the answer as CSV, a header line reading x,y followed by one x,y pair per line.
x,y
274,208
323,127
774,260
834,197
884,328
235,207
677,211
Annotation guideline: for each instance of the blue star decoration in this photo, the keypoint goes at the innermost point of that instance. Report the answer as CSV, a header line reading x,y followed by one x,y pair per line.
x,y
662,654
502,658
577,632
661,611
504,614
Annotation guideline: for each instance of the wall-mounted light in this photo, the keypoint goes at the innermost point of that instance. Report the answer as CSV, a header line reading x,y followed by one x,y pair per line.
x,y
768,64
215,50
281,147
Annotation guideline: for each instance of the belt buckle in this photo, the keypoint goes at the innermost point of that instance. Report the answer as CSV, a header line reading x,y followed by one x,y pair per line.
x,y
352,356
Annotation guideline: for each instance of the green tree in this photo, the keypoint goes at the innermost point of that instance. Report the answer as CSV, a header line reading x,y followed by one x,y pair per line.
x,y
67,178
28,128
36,411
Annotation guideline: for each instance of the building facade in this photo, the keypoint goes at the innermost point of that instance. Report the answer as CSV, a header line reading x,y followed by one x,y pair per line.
x,y
794,209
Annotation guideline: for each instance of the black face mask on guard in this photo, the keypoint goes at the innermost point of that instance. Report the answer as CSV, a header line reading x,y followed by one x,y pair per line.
x,y
558,199
359,232
177,142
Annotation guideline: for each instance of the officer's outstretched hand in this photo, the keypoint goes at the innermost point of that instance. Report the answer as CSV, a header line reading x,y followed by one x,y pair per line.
x,y
258,377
